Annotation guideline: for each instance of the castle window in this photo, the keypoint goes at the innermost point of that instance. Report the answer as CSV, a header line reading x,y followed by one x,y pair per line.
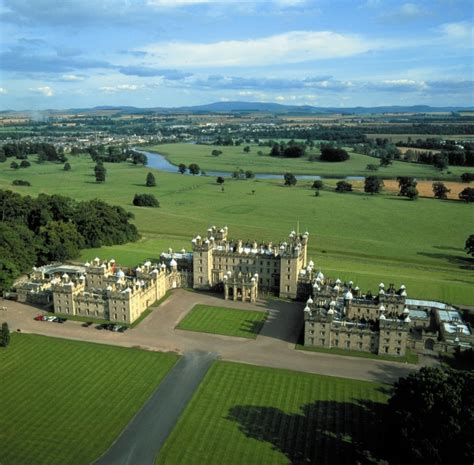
x,y
398,351
348,344
287,288
289,270
288,277
386,350
322,341
289,262
360,345
322,333
399,342
311,340
336,342
311,331
115,316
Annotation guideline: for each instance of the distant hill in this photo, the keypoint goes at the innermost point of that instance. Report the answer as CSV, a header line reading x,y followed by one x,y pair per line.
x,y
252,107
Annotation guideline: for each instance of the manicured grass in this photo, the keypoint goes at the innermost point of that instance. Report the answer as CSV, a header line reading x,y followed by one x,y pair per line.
x,y
244,414
234,157
367,239
409,357
64,402
222,320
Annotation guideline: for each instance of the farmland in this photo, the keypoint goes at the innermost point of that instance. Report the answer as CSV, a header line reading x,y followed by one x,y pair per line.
x,y
226,321
353,236
65,401
255,415
233,158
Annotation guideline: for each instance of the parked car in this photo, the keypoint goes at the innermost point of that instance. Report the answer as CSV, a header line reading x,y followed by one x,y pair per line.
x,y
45,317
116,328
38,317
102,326
123,329
87,324
61,320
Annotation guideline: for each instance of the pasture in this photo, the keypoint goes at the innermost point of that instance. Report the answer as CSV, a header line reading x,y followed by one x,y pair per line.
x,y
244,414
352,236
64,402
226,321
233,158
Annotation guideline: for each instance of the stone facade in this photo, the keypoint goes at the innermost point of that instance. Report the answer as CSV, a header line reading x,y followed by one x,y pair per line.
x,y
276,267
338,315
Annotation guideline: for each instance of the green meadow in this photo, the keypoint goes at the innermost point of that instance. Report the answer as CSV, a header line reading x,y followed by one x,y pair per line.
x,y
352,236
243,414
222,320
233,158
65,402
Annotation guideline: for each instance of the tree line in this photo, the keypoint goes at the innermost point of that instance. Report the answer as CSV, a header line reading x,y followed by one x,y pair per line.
x,y
35,231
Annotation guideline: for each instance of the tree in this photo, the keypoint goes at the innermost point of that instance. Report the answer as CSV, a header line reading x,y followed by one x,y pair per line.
x,y
14,165
25,164
67,167
249,174
246,149
290,179
182,168
404,183
145,200
467,194
333,154
440,191
59,242
467,177
343,186
20,182
220,180
150,180
5,335
373,185
440,161
100,172
371,167
216,153
469,246
275,152
412,193
294,151
194,168
385,160
318,184
430,418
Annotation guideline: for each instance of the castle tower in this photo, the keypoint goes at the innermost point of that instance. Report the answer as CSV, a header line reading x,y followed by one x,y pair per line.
x,y
293,259
203,262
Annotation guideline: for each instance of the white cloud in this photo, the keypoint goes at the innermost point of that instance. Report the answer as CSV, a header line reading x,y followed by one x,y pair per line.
x,y
72,77
460,30
291,47
121,88
3,91
45,90
406,11
184,3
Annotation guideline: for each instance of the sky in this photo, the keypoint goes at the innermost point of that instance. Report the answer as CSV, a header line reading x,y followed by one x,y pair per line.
x,y
58,54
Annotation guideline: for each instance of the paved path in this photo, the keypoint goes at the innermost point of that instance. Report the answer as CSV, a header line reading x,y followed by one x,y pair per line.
x,y
274,347
144,436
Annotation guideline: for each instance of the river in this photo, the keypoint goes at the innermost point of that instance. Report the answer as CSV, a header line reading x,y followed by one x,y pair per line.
x,y
158,161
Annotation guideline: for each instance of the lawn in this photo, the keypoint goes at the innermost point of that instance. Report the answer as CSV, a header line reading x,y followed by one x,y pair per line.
x,y
243,414
234,157
222,320
64,402
367,239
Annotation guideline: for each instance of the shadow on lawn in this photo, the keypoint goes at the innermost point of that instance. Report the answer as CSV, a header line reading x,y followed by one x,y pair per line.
x,y
465,263
251,326
326,432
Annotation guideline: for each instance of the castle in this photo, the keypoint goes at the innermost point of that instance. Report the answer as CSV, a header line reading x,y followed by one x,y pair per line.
x,y
336,315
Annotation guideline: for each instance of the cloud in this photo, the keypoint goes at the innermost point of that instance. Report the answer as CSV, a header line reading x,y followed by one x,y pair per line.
x,y
44,90
405,12
458,31
72,77
3,91
291,47
146,71
121,88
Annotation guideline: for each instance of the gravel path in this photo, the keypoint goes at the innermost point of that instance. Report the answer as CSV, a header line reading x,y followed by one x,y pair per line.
x,y
144,436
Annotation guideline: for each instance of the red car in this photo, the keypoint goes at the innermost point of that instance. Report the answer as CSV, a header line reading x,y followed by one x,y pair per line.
x,y
39,318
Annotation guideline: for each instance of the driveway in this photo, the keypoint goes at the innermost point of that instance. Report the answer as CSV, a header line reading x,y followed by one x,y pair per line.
x,y
274,347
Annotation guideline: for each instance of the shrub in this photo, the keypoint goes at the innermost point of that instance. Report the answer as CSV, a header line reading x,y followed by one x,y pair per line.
x,y
145,200
20,182
25,164
318,184
467,177
343,186
332,154
67,167
467,194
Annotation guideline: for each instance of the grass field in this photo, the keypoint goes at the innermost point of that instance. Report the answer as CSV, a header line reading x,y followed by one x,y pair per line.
x,y
64,402
243,414
235,157
365,238
226,321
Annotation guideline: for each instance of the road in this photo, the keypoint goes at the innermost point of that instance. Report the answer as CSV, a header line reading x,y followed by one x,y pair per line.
x,y
274,347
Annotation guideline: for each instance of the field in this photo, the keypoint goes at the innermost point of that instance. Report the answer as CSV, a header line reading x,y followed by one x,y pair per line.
x,y
352,236
226,321
234,157
244,414
64,402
